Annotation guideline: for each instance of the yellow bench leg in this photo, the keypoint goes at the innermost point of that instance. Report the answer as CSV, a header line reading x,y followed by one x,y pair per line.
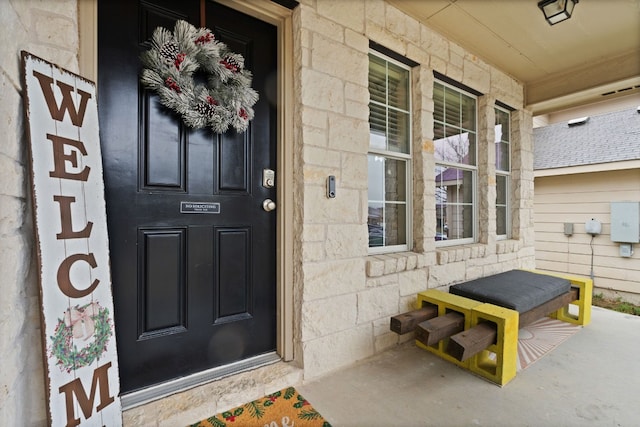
x,y
498,363
447,303
585,292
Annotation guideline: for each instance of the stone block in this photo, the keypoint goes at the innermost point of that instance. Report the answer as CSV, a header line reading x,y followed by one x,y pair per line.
x,y
375,266
347,13
12,178
322,91
376,282
313,251
318,209
355,171
314,233
331,278
314,136
356,40
346,240
376,303
321,156
327,316
334,351
12,213
412,282
348,134
316,23
334,58
443,275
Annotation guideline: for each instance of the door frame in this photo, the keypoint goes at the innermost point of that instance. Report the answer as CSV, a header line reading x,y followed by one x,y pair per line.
x,y
281,18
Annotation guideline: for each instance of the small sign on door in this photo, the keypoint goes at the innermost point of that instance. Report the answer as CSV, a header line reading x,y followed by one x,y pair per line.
x,y
200,207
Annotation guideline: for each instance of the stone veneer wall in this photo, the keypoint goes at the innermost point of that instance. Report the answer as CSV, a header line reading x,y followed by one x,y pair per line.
x,y
343,296
346,296
47,29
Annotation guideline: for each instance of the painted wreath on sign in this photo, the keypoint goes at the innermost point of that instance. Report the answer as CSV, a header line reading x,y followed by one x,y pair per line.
x,y
77,326
225,100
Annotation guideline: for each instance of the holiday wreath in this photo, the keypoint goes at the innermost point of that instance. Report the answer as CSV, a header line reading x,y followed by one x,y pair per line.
x,y
78,325
226,99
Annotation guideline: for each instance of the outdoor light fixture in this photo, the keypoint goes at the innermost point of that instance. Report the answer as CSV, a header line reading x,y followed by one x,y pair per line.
x,y
557,10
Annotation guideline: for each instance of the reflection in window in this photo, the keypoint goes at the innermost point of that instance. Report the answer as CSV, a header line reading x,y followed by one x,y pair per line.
x,y
455,135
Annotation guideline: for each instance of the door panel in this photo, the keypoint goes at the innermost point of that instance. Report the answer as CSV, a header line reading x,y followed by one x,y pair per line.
x,y
192,291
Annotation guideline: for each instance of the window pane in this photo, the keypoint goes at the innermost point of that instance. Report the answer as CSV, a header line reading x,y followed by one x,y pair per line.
x,y
398,79
395,180
501,204
438,103
376,178
387,179
387,201
398,128
503,137
377,79
453,148
454,203
395,227
501,190
376,224
502,156
468,108
501,220
377,127
452,113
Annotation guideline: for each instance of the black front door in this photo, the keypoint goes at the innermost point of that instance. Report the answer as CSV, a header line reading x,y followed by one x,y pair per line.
x,y
192,291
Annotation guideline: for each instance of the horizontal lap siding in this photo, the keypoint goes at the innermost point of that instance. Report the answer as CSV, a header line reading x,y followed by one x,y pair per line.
x,y
576,199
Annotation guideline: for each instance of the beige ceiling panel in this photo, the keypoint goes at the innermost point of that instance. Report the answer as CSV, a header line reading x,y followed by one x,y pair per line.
x,y
421,9
481,41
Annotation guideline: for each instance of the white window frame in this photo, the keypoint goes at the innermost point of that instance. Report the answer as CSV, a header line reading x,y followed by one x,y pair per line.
x,y
472,168
507,175
406,157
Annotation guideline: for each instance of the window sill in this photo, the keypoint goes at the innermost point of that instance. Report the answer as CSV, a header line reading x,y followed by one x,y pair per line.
x,y
447,254
383,264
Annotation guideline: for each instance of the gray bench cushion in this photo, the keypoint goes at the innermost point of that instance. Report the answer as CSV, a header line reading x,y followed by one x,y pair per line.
x,y
516,289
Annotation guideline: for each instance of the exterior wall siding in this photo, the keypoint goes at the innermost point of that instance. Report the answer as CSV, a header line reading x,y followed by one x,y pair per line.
x,y
576,199
337,275
343,297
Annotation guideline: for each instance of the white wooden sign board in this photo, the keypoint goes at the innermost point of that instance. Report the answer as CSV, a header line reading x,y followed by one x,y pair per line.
x,y
73,247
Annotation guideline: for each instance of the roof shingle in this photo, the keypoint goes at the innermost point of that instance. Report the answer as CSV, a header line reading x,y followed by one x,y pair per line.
x,y
605,138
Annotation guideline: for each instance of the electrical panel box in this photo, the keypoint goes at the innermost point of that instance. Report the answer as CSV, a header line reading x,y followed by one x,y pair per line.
x,y
625,222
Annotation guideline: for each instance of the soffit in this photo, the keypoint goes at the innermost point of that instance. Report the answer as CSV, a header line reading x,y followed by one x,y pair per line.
x,y
574,62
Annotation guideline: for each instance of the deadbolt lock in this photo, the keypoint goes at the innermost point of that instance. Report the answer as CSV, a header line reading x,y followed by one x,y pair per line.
x,y
268,178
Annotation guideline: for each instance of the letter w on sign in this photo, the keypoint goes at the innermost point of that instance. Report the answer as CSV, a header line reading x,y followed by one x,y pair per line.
x,y
73,248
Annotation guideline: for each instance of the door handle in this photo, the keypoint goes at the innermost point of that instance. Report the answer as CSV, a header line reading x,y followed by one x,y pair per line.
x,y
268,205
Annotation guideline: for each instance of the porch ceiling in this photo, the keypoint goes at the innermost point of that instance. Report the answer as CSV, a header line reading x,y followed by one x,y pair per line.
x,y
575,62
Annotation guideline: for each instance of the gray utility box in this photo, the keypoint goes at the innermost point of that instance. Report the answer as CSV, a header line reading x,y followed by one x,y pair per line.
x,y
625,222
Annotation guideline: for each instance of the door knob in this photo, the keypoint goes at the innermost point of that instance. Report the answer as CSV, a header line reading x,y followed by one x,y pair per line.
x,y
268,205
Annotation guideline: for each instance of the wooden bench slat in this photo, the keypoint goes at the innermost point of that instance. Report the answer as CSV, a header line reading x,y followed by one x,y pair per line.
x,y
547,308
431,331
407,322
472,341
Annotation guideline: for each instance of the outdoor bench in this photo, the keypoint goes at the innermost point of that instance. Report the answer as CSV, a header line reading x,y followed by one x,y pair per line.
x,y
475,325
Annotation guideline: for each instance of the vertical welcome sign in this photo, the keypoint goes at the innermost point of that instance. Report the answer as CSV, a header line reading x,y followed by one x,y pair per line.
x,y
70,215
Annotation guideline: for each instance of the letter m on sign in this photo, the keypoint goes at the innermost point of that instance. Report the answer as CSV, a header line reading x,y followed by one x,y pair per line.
x,y
86,403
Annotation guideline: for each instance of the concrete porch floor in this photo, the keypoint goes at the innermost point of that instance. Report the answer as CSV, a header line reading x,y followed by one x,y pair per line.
x,y
591,379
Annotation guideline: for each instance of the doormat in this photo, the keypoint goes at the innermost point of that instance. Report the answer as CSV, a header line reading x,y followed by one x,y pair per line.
x,y
540,337
285,408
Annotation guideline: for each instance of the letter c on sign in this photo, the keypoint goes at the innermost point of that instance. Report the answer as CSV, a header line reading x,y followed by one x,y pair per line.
x,y
64,279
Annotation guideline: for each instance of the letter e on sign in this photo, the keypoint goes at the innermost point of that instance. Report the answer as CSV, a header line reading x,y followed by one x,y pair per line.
x,y
80,352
